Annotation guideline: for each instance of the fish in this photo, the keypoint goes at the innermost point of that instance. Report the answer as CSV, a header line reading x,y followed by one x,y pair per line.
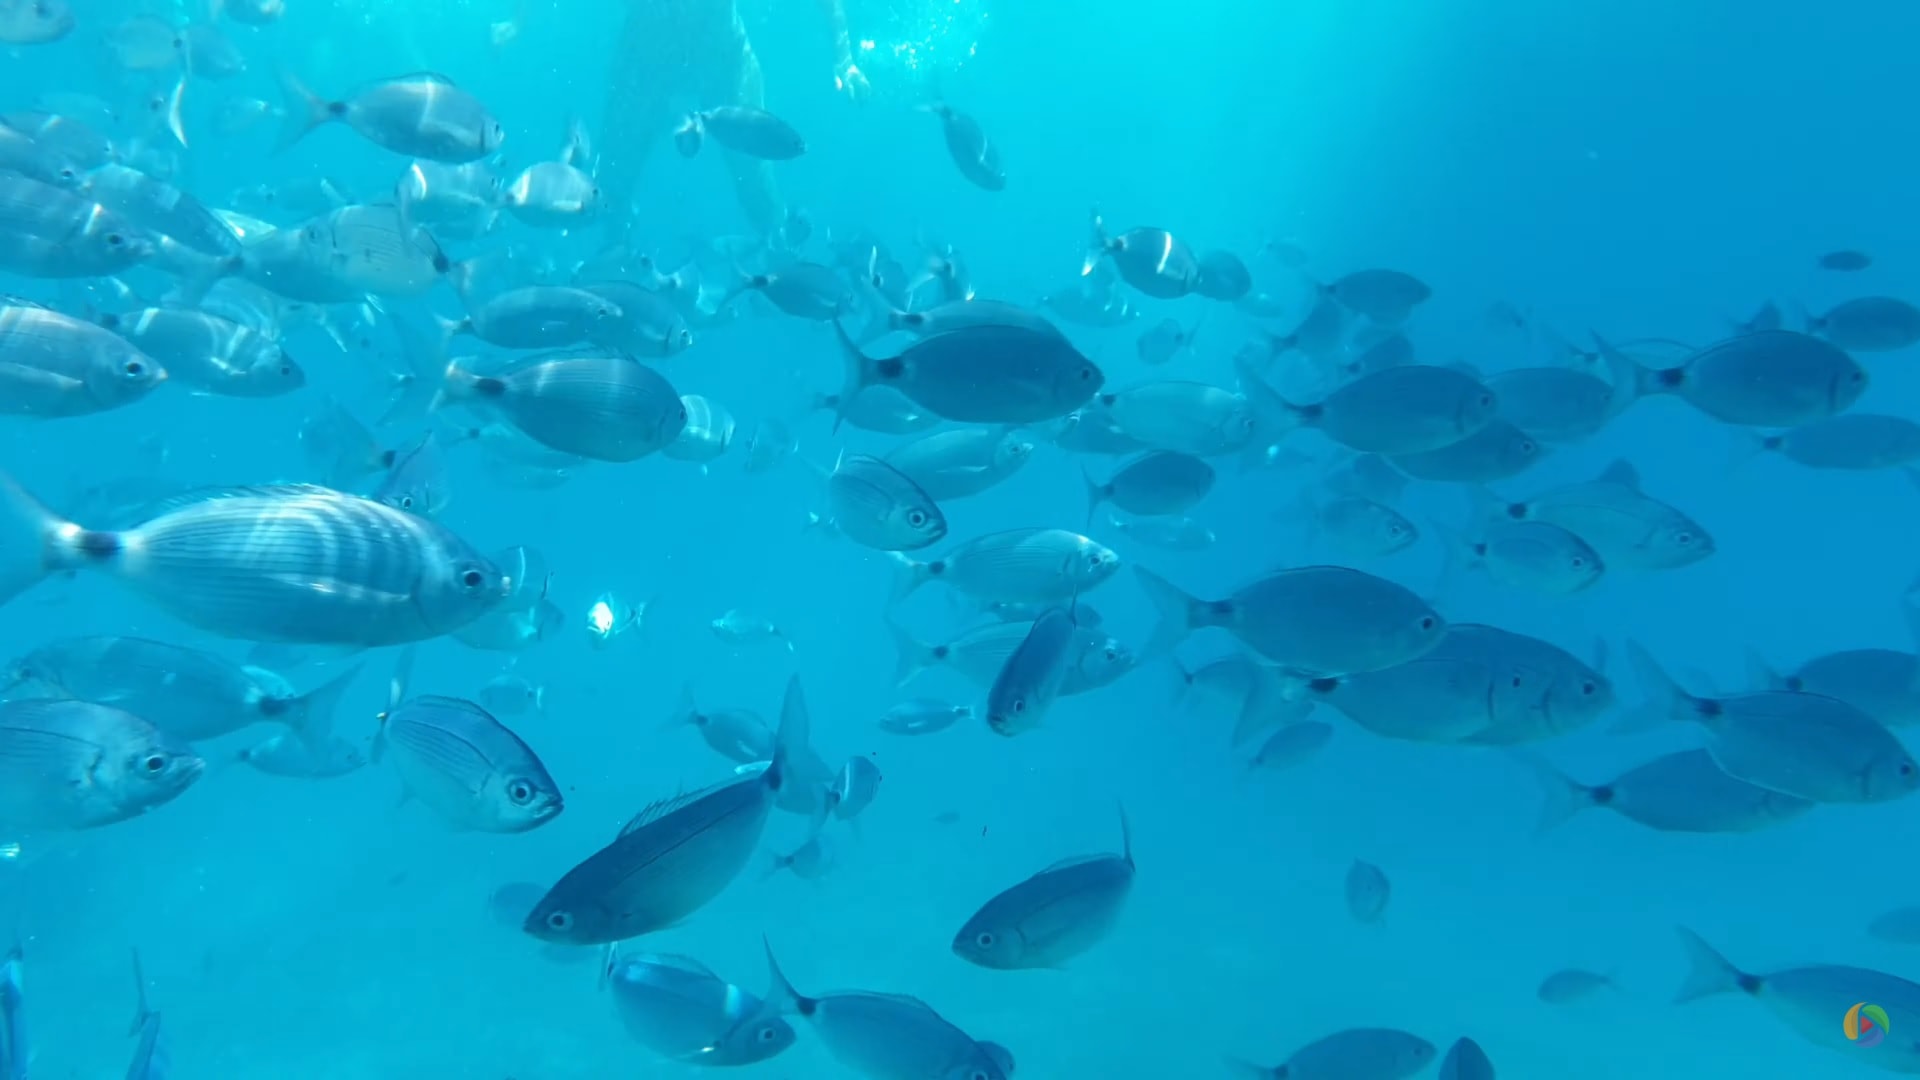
x,y
69,765
35,22
1627,528
1157,483
1845,261
738,627
1368,892
1498,451
923,716
210,354
294,563
854,788
739,735
885,1036
1030,680
675,855
284,754
1398,412
187,693
1563,404
1095,659
152,1057
1151,260
1057,914
680,1010
1807,999
1223,277
421,116
601,408
742,129
967,144
1769,378
1353,1054
59,366
986,374
961,462
1685,792
1883,683
467,766
1570,985
1385,296
1166,533
876,505
1037,566
1806,745
1184,417
1291,745
1536,556
509,694
1328,620
1358,527
1869,324
417,481
1848,441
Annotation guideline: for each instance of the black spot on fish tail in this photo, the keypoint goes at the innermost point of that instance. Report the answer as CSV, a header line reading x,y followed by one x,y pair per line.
x,y
1772,442
336,109
97,546
1751,984
1670,378
1708,707
1601,796
890,368
488,386
1220,608
1517,511
936,568
1323,685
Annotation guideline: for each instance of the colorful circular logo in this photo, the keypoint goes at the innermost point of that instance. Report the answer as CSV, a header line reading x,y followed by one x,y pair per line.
x,y
1865,1024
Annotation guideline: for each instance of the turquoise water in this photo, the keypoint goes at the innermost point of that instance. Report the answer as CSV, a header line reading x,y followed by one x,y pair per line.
x,y
1643,169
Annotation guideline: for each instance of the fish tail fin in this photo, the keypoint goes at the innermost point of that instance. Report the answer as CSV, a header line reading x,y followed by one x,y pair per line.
x,y
425,356
1126,835
776,862
311,717
909,574
1622,374
911,655
141,1010
1097,244
1760,674
1277,699
859,370
1709,973
1247,1070
686,712
1644,381
1180,613
36,542
781,998
792,737
1096,493
1666,700
305,110
1563,796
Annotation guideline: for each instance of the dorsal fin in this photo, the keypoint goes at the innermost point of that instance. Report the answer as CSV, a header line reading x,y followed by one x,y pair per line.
x,y
1623,473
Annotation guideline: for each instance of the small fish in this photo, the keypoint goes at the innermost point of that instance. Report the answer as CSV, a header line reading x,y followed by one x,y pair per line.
x,y
152,1058
854,788
1031,678
1535,556
1772,378
1292,744
770,443
973,154
59,366
808,862
210,354
1157,483
924,716
1848,441
1053,916
676,854
1039,566
1368,892
1354,1054
297,564
1813,747
470,768
286,755
1680,792
609,618
986,374
1399,411
602,408
1629,529
422,116
885,1036
879,408
34,22
1358,527
743,129
1223,277
738,735
960,462
1385,296
1329,620
509,694
78,765
876,505
1806,999
1869,324
679,1009
1883,683
417,481
738,627
707,434
1165,340
1571,985
1185,417
1495,452
1151,260
1845,262
1166,533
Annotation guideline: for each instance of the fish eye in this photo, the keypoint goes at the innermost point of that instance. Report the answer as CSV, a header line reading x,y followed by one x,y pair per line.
x,y
980,1074
473,579
114,239
916,518
1019,705
406,502
1486,401
560,920
984,939
520,792
156,763
135,368
1579,563
1906,768
1587,688
1427,622
1684,539
1517,682
769,1034
1528,446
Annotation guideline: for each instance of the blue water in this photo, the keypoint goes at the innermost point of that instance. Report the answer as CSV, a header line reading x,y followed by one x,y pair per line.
x,y
1639,168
